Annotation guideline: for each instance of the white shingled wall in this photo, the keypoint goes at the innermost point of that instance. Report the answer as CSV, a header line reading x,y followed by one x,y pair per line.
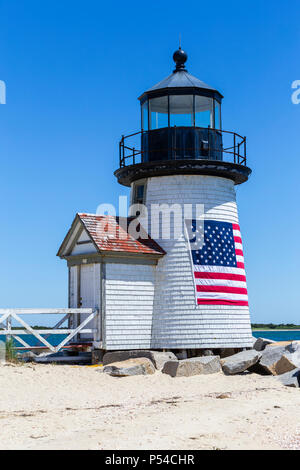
x,y
129,292
177,321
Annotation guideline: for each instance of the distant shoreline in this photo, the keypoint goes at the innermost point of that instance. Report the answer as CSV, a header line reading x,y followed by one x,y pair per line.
x,y
275,329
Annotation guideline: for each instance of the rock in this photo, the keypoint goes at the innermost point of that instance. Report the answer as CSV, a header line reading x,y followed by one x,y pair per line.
x,y
290,379
117,356
258,369
97,356
181,354
222,396
226,352
27,356
272,358
160,358
261,343
193,366
294,347
136,366
284,365
157,357
240,362
2,352
207,352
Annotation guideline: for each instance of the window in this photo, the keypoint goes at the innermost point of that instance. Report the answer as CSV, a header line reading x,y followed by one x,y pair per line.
x,y
158,112
203,111
139,192
181,110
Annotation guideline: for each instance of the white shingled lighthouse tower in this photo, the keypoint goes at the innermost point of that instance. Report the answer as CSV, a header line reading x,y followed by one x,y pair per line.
x,y
164,291
186,158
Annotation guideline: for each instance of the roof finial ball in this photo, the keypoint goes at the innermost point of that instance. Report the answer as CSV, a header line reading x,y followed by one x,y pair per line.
x,y
180,57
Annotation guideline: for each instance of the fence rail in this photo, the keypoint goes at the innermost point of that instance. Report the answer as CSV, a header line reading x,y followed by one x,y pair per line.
x,y
7,316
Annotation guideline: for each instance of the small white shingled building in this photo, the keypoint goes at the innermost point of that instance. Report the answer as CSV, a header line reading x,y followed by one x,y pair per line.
x,y
162,293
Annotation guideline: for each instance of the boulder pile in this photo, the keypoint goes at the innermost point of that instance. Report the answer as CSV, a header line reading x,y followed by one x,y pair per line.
x,y
281,359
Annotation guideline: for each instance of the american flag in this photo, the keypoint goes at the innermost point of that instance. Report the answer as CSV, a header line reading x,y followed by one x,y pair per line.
x,y
218,265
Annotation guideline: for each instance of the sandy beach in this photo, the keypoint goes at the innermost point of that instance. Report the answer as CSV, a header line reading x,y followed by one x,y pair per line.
x,y
73,407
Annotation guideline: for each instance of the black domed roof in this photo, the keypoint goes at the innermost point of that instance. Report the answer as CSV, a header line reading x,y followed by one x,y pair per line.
x,y
180,79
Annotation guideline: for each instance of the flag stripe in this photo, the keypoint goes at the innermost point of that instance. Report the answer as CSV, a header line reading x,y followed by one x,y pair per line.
x,y
214,275
222,302
223,295
229,289
239,252
219,269
220,282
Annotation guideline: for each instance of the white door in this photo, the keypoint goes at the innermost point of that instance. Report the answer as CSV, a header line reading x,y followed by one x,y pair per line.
x,y
87,294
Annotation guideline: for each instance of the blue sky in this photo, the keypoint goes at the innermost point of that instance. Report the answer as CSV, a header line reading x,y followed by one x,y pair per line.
x,y
73,72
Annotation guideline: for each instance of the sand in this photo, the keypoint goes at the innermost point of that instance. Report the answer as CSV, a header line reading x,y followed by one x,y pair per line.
x,y
73,407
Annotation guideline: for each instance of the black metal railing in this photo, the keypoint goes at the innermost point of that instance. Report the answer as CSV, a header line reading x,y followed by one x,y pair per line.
x,y
175,143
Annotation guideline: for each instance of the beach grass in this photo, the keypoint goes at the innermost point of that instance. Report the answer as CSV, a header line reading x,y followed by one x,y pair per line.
x,y
11,352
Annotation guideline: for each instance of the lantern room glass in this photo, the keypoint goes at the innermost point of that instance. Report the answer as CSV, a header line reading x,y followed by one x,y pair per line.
x,y
204,115
181,111
158,112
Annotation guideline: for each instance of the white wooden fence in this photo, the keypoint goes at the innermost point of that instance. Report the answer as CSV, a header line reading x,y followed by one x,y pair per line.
x,y
7,316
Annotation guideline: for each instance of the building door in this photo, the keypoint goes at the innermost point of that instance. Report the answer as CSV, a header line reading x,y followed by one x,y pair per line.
x,y
87,294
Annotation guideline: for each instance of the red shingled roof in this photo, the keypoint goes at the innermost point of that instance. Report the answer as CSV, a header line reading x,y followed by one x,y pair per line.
x,y
111,234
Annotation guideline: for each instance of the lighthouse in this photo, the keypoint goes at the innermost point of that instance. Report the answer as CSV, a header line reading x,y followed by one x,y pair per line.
x,y
186,158
180,282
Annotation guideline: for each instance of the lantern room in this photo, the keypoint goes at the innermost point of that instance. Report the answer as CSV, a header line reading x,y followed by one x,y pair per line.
x,y
181,117
180,100
181,132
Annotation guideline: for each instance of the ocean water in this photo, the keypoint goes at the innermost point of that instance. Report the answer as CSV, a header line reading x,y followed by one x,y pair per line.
x,y
33,341
277,335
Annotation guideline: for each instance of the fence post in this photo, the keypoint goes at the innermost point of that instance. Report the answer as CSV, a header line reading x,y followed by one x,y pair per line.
x,y
97,333
8,327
